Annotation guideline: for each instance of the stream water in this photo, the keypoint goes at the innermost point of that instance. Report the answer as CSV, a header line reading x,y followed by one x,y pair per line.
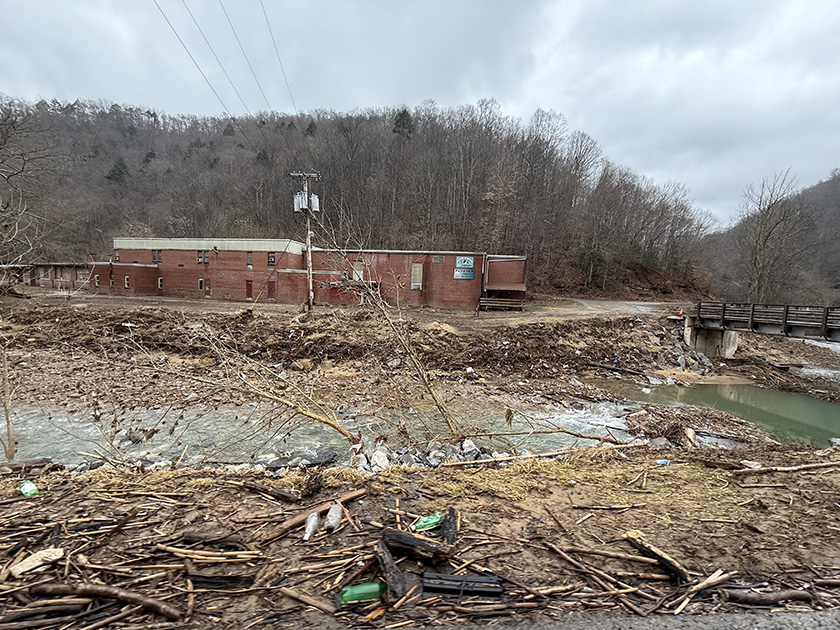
x,y
789,417
262,433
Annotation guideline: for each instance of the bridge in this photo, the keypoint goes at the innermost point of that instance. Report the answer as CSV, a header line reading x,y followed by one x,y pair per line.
x,y
712,328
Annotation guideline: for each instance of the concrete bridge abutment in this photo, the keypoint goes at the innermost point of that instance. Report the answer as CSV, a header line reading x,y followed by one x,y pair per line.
x,y
712,342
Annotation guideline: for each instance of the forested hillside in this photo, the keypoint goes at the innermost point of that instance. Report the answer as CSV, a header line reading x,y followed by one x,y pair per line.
x,y
466,178
785,247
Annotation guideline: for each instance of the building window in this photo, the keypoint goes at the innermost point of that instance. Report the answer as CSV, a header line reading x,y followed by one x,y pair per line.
x,y
271,259
116,255
126,282
199,256
438,259
160,282
359,270
250,258
417,276
206,257
157,255
201,284
96,280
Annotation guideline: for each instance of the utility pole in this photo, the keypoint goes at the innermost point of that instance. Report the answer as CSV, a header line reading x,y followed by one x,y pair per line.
x,y
308,203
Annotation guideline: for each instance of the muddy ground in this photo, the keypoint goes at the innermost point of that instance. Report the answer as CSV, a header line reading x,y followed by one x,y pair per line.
x,y
776,530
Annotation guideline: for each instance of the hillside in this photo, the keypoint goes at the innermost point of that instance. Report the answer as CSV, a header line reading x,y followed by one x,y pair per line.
x,y
465,178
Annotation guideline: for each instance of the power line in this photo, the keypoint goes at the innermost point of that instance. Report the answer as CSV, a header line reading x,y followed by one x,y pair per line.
x,y
221,65
286,80
219,61
210,85
277,52
244,54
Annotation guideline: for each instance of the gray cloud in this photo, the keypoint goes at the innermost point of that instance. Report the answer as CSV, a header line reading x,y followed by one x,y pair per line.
x,y
713,94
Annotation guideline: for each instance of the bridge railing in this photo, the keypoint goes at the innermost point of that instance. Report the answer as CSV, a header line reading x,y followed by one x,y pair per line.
x,y
785,319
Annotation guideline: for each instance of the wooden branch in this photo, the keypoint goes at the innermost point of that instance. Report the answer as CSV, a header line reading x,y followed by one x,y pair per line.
x,y
296,521
102,591
519,458
309,601
613,554
765,599
450,524
608,507
272,492
716,578
396,583
668,562
774,469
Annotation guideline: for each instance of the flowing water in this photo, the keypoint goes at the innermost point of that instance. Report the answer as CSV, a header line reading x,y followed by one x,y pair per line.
x,y
790,417
258,432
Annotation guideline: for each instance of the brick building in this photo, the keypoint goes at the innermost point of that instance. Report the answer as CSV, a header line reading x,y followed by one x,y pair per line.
x,y
275,270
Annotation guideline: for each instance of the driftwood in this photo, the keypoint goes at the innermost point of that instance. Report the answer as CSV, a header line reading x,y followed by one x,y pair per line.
x,y
272,492
309,601
773,469
296,521
716,578
668,562
767,598
419,548
450,526
394,578
102,591
614,368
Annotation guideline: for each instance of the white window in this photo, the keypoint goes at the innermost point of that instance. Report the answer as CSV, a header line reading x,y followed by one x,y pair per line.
x,y
271,259
201,284
116,255
250,259
359,270
126,282
160,282
96,280
199,256
417,276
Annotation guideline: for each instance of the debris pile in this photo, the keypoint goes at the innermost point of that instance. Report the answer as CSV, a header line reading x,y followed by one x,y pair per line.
x,y
605,529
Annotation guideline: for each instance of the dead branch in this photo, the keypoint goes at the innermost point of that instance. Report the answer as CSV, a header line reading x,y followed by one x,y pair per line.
x,y
767,598
102,591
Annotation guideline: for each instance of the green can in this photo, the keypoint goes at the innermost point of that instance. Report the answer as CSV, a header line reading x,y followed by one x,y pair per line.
x,y
428,522
28,489
362,592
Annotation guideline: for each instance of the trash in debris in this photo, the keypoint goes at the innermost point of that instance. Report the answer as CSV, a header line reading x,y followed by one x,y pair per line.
x,y
663,462
333,518
746,463
28,489
312,522
470,585
428,522
362,592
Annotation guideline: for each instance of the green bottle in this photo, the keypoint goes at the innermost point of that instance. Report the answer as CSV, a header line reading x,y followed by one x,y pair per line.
x,y
28,489
428,522
362,592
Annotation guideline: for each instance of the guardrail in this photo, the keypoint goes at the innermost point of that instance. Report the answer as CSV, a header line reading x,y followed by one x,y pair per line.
x,y
819,322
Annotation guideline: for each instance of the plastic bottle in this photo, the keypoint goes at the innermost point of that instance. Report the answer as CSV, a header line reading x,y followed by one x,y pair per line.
x,y
663,462
333,518
28,489
428,522
312,522
362,592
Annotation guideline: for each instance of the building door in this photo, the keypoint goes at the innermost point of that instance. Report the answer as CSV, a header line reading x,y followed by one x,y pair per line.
x,y
249,289
272,290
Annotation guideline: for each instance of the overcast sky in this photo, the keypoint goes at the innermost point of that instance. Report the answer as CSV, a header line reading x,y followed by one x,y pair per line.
x,y
715,94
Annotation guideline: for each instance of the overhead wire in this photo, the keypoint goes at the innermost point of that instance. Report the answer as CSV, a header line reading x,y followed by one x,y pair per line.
x,y
221,65
244,54
209,84
219,61
286,80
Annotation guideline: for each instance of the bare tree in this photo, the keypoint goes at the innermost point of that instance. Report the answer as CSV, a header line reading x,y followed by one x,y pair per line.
x,y
772,238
